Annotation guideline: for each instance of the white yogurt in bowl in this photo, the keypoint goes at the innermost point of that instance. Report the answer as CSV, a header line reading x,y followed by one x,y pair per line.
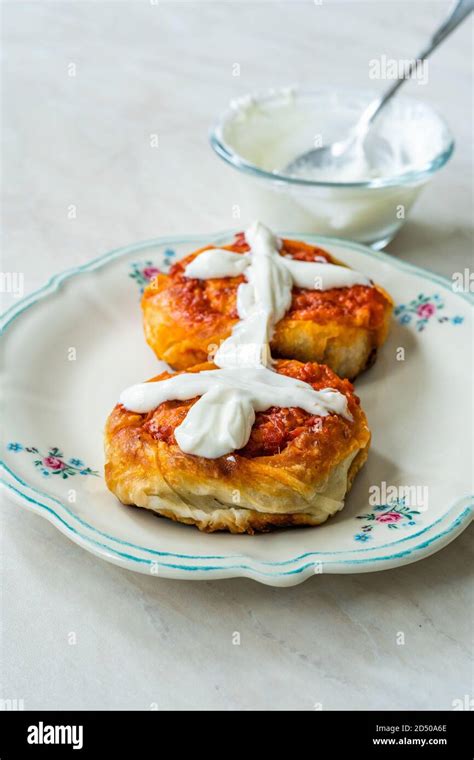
x,y
367,200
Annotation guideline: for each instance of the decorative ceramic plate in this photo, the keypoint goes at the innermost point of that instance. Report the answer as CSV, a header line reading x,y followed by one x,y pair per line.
x,y
71,347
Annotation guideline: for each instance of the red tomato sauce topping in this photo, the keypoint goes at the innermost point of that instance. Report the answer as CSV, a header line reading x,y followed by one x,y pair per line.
x,y
203,300
277,427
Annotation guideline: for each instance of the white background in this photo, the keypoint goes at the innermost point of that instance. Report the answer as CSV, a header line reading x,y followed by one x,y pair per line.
x,y
84,140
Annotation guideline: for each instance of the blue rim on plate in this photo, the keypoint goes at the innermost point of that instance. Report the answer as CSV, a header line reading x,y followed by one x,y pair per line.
x,y
37,500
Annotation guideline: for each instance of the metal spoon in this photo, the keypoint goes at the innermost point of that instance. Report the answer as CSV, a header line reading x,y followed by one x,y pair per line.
x,y
340,152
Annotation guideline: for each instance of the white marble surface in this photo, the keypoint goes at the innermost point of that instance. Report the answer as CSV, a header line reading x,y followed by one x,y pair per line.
x,y
84,140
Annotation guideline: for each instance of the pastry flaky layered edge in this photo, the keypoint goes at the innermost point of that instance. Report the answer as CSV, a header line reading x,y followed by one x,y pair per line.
x,y
303,484
348,346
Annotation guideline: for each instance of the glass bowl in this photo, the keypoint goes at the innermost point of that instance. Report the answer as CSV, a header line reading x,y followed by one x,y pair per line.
x,y
261,133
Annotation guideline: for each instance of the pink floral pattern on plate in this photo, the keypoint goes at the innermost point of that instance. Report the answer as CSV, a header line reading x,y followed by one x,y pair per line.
x,y
396,514
144,272
423,310
54,463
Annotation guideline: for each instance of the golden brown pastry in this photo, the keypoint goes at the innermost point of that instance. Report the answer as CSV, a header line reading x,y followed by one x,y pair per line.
x,y
294,470
186,319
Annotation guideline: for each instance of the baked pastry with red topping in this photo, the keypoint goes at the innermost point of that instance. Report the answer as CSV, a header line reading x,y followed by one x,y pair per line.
x,y
294,469
186,318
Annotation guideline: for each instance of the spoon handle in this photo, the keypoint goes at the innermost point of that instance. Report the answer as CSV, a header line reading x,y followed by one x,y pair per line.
x,y
457,15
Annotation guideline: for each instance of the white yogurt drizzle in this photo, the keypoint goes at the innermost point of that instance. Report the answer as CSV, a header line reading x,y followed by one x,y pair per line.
x,y
221,420
266,295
